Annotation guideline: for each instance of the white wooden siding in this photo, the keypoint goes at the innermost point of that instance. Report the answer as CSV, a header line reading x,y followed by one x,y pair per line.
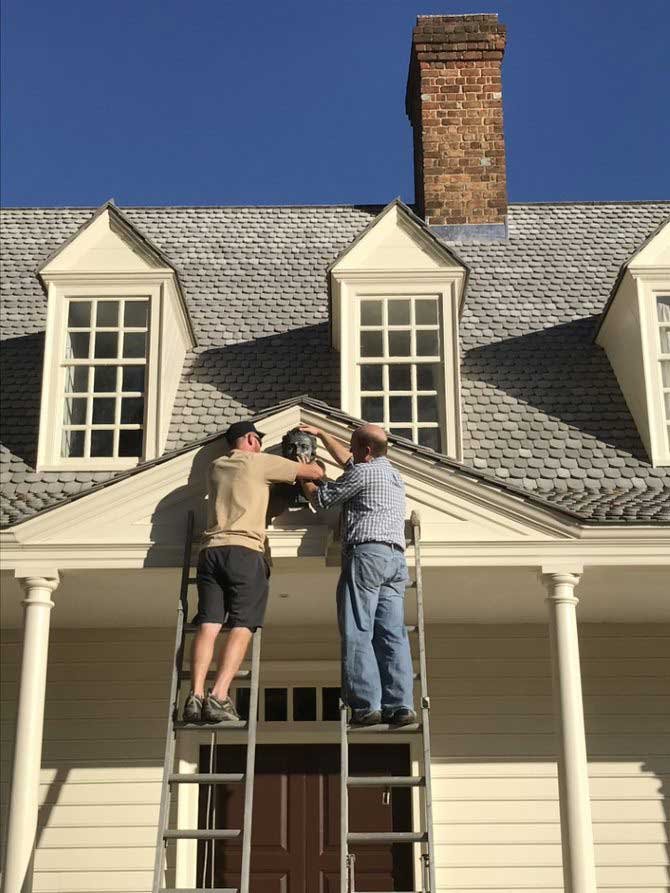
x,y
496,796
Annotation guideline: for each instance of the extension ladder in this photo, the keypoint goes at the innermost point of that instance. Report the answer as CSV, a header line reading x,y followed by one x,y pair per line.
x,y
422,728
172,779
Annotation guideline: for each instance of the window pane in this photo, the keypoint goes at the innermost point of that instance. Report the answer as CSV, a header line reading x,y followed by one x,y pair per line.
x,y
103,410
427,344
330,704
398,313
75,411
372,378
105,378
133,344
400,377
427,409
135,313
663,307
276,704
79,314
73,444
665,373
407,433
372,344
425,313
372,409
400,409
399,344
76,378
76,346
371,313
426,377
430,437
132,410
105,345
664,334
108,313
242,697
130,442
304,704
102,443
133,378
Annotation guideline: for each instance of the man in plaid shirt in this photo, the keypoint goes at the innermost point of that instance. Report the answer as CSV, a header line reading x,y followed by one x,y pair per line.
x,y
376,659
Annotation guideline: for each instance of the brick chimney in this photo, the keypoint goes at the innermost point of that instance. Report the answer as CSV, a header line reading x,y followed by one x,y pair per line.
x,y
454,102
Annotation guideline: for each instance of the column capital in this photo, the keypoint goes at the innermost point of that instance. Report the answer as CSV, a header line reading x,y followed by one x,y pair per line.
x,y
38,585
560,584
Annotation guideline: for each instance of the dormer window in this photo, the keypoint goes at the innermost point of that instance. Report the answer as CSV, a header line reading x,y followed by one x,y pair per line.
x,y
117,334
663,358
396,293
401,368
105,366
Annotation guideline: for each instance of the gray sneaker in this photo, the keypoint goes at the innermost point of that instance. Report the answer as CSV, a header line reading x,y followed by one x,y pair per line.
x,y
193,709
215,710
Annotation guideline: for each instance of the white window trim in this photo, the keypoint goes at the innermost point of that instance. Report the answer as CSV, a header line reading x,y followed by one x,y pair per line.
x,y
353,287
61,287
652,284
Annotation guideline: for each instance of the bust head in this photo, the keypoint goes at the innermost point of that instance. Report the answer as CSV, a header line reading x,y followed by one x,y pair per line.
x,y
297,445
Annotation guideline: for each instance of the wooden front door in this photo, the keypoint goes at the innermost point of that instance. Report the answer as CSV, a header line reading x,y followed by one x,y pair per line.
x,y
295,839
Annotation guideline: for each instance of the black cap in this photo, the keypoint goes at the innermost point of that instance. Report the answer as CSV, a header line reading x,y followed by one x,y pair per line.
x,y
239,429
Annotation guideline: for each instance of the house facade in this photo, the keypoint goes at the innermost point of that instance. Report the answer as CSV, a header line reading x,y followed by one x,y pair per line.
x,y
518,356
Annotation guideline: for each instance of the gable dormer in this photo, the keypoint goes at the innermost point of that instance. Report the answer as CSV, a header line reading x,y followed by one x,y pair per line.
x,y
635,333
396,293
117,334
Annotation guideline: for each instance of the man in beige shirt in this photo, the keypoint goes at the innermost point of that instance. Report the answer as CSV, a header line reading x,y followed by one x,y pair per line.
x,y
232,569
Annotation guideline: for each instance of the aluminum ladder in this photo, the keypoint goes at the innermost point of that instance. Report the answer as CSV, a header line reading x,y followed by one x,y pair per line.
x,y
176,727
423,838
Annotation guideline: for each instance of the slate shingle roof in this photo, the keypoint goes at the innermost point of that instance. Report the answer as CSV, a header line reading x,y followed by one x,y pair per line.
x,y
541,407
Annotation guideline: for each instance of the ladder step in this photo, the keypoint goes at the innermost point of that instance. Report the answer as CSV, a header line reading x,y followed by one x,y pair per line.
x,y
241,674
228,725
205,777
192,581
200,834
387,837
389,781
384,727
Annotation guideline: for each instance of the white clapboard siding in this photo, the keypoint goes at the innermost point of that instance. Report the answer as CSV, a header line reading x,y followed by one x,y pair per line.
x,y
496,810
495,785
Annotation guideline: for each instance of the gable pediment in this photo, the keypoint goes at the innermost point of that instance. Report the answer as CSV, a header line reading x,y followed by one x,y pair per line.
x,y
144,513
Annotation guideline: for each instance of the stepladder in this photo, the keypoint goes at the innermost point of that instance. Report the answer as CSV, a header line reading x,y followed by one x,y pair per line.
x,y
207,781
423,837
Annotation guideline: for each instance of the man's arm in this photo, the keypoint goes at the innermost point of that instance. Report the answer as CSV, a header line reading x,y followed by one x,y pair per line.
x,y
335,447
332,493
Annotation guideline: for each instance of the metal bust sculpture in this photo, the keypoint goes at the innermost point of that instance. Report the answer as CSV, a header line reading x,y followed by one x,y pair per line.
x,y
295,445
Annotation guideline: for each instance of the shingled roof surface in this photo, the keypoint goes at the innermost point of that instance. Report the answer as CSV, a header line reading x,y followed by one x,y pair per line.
x,y
541,407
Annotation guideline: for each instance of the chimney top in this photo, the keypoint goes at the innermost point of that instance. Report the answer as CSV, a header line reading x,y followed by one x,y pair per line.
x,y
454,102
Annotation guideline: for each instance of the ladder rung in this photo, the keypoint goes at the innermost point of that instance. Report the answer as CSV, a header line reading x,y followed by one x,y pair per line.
x,y
205,777
384,727
241,674
206,726
387,837
200,834
388,781
192,581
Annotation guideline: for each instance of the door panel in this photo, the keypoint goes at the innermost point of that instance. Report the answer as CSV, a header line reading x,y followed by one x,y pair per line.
x,y
295,839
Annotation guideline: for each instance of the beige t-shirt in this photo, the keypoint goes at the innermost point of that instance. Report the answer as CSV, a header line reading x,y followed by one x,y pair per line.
x,y
239,490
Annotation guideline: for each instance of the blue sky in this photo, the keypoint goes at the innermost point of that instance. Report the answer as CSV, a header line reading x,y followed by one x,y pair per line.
x,y
219,102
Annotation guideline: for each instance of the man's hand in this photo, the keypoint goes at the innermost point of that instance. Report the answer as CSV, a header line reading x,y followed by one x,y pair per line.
x,y
336,448
310,429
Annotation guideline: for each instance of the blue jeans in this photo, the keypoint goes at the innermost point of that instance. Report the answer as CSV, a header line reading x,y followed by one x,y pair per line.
x,y
376,660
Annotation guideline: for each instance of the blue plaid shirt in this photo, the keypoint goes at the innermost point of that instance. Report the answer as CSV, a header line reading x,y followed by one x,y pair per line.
x,y
372,496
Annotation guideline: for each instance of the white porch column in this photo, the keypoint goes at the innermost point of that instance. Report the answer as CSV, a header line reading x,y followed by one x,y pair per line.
x,y
24,796
573,781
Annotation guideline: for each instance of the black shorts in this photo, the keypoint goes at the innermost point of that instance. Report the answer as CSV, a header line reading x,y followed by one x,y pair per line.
x,y
232,586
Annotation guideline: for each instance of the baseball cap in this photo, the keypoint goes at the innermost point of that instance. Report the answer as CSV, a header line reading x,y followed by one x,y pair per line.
x,y
239,429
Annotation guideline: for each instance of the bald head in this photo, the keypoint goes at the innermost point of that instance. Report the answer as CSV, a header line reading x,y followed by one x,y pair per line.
x,y
368,442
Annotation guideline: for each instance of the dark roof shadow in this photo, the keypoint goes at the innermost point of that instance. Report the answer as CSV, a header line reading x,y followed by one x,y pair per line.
x,y
558,371
20,393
